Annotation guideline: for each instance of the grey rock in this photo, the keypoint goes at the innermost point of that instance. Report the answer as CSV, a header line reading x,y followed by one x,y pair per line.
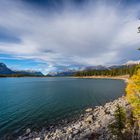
x,y
28,131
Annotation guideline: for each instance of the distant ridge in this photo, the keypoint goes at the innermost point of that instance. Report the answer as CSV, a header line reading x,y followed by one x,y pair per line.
x,y
4,70
91,68
28,72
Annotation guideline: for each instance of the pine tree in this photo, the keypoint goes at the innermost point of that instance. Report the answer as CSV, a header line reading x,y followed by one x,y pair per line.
x,y
118,125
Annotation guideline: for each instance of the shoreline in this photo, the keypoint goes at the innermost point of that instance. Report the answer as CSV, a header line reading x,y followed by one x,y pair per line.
x,y
123,77
91,124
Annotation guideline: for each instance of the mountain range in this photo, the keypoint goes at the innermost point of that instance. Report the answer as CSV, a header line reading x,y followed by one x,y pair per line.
x,y
4,70
98,67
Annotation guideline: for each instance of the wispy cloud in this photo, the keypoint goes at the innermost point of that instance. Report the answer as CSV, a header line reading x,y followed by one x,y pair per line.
x,y
95,33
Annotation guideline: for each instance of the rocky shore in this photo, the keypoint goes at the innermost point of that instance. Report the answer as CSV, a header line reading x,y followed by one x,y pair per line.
x,y
93,124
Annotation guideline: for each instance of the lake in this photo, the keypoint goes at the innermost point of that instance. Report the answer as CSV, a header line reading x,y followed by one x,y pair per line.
x,y
38,102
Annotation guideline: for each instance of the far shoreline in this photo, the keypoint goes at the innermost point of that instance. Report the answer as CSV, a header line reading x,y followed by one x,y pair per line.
x,y
122,77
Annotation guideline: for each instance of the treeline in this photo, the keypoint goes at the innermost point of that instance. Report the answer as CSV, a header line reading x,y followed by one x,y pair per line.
x,y
122,70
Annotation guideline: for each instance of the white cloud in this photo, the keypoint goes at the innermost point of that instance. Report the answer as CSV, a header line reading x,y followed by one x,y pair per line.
x,y
96,34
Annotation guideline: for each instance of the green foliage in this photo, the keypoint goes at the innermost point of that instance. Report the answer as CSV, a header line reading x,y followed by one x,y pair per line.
x,y
118,125
124,70
130,120
124,126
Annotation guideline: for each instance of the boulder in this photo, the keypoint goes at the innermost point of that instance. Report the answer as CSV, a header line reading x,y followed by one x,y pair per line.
x,y
69,130
36,138
88,109
75,131
77,126
97,125
89,119
28,131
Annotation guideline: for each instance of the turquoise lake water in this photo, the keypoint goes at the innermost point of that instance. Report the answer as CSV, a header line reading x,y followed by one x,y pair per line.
x,y
38,102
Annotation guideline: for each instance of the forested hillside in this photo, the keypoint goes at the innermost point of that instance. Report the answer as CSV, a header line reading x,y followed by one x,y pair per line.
x,y
122,70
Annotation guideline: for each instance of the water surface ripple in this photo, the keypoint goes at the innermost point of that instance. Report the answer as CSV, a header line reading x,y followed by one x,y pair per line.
x,y
37,102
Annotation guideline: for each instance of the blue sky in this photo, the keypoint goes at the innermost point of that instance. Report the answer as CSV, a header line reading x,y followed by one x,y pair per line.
x,y
55,35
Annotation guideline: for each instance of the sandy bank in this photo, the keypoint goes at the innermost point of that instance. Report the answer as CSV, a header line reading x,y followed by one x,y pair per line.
x,y
123,77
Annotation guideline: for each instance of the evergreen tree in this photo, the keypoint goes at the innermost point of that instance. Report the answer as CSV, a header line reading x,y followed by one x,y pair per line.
x,y
118,126
123,70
